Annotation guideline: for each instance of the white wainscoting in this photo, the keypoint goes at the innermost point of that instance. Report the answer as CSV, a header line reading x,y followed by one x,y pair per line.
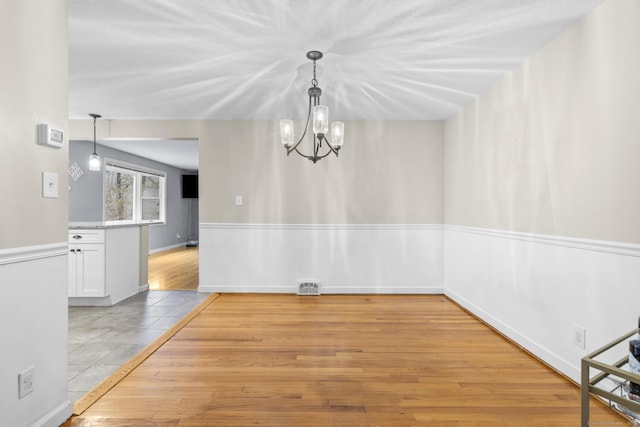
x,y
536,288
393,258
33,326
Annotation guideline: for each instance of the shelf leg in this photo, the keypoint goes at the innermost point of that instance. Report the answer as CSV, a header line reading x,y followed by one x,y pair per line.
x,y
584,395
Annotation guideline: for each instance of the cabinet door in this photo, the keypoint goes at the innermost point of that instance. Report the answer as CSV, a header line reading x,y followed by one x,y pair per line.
x,y
73,271
90,271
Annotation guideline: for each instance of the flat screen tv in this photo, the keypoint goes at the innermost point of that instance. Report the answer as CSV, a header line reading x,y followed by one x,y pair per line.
x,y
189,186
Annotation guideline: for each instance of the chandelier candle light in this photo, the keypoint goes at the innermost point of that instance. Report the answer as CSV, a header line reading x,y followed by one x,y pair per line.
x,y
320,123
94,159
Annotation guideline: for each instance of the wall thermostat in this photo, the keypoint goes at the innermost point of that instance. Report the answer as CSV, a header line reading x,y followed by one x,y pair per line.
x,y
50,136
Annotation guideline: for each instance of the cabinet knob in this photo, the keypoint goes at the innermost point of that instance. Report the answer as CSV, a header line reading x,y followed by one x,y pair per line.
x,y
73,250
77,236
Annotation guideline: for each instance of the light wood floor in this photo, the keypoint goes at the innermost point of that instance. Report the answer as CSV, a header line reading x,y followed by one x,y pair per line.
x,y
174,270
339,360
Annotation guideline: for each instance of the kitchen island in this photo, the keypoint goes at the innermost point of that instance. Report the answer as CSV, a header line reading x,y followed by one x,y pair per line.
x,y
107,263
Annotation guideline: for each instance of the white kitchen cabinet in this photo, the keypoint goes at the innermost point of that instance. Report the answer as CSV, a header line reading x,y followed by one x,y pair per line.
x,y
86,271
86,263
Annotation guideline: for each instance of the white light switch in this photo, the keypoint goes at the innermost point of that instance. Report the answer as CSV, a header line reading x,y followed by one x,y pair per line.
x,y
238,200
50,184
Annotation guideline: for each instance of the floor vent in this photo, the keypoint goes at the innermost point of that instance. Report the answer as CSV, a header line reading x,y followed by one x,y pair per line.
x,y
308,288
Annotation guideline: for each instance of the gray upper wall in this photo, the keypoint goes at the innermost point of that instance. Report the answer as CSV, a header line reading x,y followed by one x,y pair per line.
x,y
86,204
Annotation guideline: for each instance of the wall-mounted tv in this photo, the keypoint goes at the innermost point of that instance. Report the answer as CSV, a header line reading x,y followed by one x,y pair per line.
x,y
189,186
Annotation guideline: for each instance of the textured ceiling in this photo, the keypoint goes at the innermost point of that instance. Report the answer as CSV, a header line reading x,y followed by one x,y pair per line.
x,y
245,59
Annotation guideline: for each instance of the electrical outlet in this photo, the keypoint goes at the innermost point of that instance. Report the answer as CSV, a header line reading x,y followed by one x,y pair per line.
x,y
26,382
579,336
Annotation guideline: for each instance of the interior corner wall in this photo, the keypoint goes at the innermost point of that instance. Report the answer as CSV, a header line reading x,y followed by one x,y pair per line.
x,y
541,198
33,229
368,221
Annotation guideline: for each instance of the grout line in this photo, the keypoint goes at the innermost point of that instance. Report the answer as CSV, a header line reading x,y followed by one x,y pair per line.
x,y
121,373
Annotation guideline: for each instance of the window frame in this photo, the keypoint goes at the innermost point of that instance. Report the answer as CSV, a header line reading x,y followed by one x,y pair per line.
x,y
137,172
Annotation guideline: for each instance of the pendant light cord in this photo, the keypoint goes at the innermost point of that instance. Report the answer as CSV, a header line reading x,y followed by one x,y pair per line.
x,y
95,116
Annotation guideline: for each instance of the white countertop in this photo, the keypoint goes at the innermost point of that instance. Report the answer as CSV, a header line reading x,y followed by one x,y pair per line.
x,y
99,225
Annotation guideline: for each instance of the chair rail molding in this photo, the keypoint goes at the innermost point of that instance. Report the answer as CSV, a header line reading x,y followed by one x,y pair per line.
x,y
30,253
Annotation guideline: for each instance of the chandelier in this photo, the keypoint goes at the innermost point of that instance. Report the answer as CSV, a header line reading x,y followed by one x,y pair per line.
x,y
320,124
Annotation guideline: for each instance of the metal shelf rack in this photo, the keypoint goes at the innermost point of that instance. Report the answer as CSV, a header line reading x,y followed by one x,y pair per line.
x,y
610,383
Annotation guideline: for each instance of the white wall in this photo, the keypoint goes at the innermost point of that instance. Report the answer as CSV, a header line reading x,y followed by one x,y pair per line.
x,y
541,178
33,248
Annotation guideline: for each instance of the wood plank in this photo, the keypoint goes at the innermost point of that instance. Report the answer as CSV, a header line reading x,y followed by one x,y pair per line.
x,y
340,360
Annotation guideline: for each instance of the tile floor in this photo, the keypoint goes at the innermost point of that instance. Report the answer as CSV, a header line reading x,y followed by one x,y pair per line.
x,y
101,339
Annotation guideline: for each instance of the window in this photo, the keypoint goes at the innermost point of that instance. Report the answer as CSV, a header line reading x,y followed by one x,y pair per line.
x,y
150,198
133,194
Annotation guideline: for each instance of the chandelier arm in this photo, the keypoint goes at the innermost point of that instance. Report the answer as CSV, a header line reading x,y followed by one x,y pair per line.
x,y
306,126
316,145
326,154
303,155
317,157
330,146
312,158
323,156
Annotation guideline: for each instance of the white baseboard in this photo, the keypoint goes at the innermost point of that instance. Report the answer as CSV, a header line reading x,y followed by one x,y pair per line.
x,y
57,416
387,289
167,248
90,301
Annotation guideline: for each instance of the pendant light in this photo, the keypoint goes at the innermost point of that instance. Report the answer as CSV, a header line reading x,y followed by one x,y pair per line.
x,y
94,159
